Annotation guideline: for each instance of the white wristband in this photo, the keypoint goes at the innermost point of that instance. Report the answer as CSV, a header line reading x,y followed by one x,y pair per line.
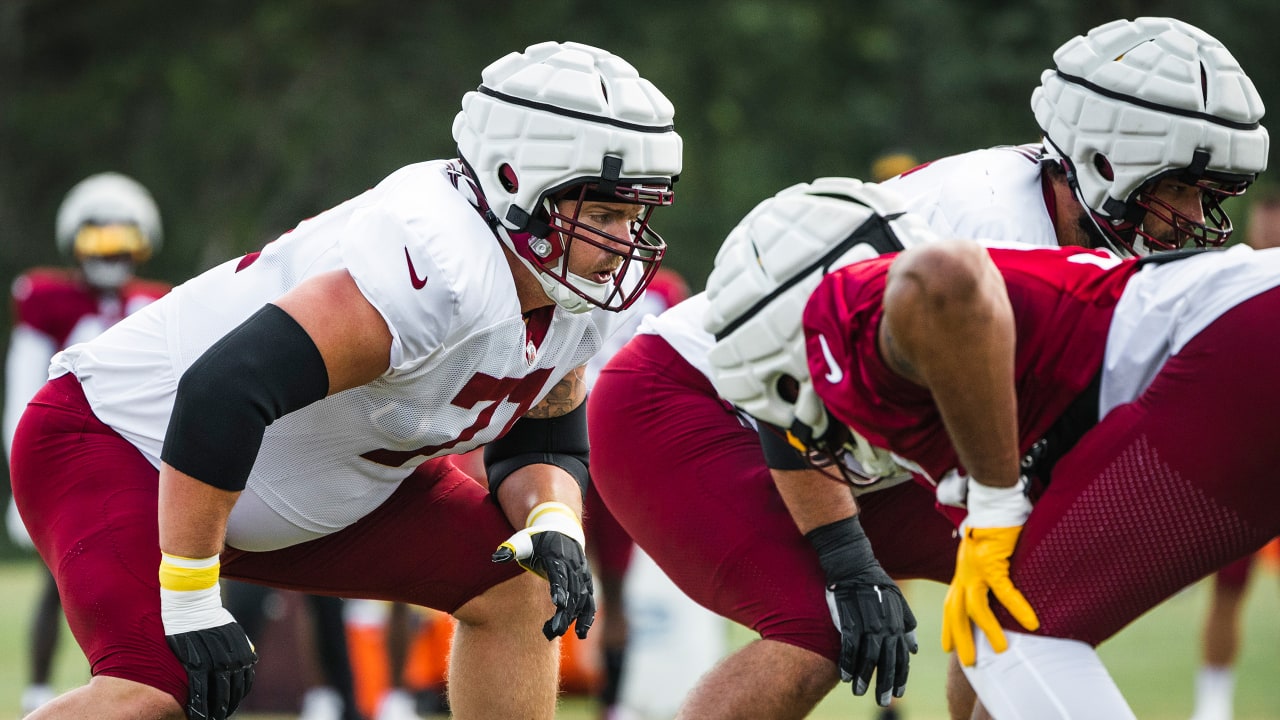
x,y
547,516
996,507
186,610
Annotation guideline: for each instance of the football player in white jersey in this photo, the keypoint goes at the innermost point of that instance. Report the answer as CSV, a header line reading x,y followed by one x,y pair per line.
x,y
108,224
290,414
1164,191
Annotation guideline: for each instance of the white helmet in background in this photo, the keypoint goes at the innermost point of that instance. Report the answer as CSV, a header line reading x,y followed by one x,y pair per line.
x,y
109,223
1133,102
763,277
566,121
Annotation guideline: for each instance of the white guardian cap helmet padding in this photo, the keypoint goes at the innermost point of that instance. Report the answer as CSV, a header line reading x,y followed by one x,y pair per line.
x,y
763,276
1136,101
570,121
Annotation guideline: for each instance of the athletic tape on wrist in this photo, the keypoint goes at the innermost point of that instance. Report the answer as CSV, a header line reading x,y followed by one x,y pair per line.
x,y
996,507
556,516
189,594
184,574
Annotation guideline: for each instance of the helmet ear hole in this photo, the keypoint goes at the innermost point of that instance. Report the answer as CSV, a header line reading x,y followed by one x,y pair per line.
x,y
1103,166
788,389
507,178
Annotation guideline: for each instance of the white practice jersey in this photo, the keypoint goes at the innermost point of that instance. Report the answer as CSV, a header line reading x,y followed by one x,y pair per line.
x,y
1165,305
993,195
463,366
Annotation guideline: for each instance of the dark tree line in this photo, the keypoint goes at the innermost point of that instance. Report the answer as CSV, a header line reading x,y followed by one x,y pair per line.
x,y
244,117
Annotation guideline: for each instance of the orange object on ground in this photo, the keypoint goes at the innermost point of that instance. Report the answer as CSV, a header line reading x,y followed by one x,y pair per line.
x,y
428,661
1270,554
581,664
427,666
370,667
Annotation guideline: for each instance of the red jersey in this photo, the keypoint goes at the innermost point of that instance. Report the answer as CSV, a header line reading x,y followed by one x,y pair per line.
x,y
1063,300
59,304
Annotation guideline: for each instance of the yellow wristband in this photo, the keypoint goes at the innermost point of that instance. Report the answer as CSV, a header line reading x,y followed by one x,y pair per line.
x,y
183,574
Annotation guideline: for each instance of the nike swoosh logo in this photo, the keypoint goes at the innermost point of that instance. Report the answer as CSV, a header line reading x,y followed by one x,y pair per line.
x,y
834,373
417,282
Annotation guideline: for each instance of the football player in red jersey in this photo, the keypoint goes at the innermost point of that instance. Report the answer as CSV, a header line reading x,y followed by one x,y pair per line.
x,y
287,418
1058,385
710,486
109,225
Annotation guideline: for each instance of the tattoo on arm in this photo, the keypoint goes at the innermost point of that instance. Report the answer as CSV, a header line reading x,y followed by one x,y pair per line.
x,y
565,396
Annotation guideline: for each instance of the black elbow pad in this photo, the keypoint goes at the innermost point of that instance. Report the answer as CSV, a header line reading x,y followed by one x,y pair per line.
x,y
260,371
560,441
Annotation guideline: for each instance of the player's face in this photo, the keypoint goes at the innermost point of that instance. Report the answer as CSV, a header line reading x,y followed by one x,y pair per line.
x,y
1185,200
601,221
107,272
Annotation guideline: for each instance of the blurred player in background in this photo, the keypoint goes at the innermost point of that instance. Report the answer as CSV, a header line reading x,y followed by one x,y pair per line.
x,y
108,225
892,164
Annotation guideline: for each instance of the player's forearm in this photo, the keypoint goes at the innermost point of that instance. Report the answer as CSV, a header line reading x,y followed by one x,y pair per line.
x,y
532,485
192,515
813,499
948,326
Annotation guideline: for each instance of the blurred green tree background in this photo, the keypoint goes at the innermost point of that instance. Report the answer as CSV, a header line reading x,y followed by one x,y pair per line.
x,y
245,117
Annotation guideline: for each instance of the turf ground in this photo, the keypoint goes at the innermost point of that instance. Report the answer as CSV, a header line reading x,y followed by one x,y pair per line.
x,y
1153,661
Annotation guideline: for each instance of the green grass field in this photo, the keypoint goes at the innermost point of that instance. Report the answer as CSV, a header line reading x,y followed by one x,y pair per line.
x,y
1153,661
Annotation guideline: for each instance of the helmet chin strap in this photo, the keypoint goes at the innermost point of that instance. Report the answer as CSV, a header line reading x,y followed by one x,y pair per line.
x,y
464,180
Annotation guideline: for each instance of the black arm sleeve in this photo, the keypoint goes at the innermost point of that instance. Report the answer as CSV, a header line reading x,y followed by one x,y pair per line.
x,y
260,371
560,441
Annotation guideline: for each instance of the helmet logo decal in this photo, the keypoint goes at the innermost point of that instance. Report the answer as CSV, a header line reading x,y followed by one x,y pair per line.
x,y
834,373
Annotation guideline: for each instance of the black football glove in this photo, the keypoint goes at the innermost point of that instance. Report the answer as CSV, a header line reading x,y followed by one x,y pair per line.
x,y
553,547
877,628
219,663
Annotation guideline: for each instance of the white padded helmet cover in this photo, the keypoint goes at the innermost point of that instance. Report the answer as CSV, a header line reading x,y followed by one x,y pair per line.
x,y
559,109
1147,94
106,199
782,237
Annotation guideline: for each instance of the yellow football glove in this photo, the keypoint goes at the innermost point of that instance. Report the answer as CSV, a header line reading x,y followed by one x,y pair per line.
x,y
988,537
